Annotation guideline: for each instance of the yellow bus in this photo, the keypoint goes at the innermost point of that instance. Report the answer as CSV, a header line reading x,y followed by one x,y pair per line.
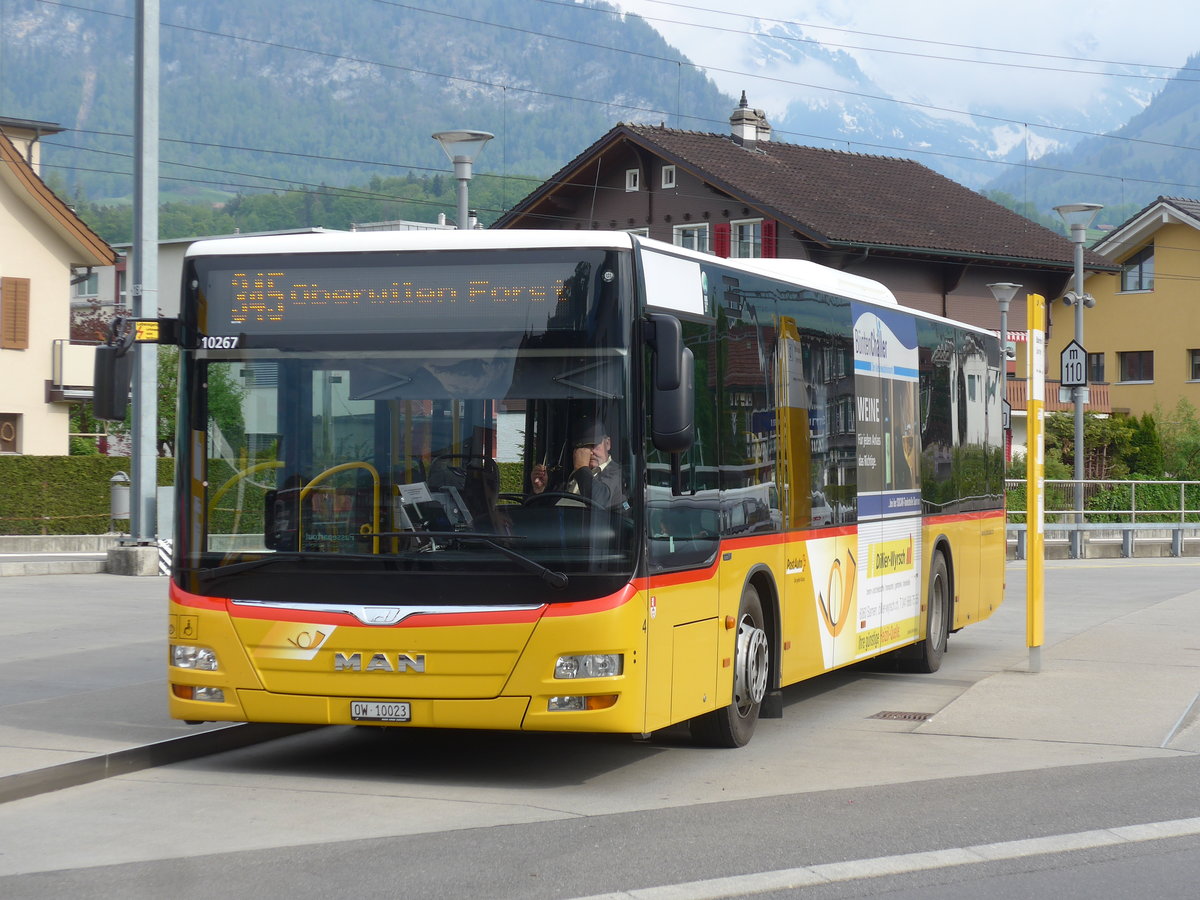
x,y
564,481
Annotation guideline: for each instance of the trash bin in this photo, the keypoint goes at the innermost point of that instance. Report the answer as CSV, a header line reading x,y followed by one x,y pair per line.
x,y
118,496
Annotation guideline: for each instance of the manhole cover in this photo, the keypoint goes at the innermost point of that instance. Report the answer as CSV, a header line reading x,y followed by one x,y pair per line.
x,y
902,716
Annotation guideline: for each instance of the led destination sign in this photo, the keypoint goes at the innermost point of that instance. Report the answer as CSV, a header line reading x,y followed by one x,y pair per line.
x,y
265,299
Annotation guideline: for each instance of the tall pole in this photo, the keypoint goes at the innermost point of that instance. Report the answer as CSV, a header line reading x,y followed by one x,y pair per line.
x,y
1035,483
462,171
1080,394
143,523
1079,217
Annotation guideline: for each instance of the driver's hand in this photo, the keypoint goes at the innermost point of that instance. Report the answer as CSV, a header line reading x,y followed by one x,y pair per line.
x,y
582,458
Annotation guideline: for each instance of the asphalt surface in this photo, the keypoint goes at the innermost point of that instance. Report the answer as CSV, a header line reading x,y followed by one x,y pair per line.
x,y
82,681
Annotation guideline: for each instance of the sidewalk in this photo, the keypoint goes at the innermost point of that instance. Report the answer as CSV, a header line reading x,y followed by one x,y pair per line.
x,y
82,675
82,682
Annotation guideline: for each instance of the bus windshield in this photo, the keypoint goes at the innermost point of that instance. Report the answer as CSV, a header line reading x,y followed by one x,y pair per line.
x,y
321,451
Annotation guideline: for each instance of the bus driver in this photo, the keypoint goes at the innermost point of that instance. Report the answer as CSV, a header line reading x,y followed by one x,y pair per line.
x,y
594,473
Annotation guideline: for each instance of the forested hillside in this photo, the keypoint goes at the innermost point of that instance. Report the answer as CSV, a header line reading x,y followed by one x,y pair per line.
x,y
273,94
409,197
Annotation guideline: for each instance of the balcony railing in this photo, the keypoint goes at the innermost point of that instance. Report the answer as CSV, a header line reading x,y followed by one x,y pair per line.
x,y
1098,402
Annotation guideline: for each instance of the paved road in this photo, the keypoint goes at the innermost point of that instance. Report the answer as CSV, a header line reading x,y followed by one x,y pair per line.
x,y
1104,738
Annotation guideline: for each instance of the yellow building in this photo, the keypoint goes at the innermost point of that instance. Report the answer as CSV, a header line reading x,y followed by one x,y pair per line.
x,y
1143,334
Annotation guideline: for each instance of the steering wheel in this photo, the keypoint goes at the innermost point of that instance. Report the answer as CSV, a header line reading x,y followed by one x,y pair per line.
x,y
552,498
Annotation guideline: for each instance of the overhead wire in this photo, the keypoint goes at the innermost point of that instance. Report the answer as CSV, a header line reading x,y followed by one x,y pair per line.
x,y
641,109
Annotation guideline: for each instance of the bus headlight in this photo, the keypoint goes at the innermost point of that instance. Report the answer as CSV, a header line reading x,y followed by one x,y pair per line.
x,y
186,656
579,704
599,665
207,694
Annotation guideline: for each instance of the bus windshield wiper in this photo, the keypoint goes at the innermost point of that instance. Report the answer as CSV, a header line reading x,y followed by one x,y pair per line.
x,y
552,578
259,562
549,576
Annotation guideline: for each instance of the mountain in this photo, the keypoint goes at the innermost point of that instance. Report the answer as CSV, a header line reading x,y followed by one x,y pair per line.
x,y
851,111
263,94
1156,153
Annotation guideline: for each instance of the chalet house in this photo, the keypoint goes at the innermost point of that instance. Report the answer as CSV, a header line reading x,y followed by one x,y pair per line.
x,y
46,246
1141,335
935,243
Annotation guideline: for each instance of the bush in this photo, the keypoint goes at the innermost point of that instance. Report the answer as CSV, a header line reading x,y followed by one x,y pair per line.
x,y
61,494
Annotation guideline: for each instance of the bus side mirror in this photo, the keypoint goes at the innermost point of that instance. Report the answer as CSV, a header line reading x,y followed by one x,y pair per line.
x,y
112,373
113,370
672,385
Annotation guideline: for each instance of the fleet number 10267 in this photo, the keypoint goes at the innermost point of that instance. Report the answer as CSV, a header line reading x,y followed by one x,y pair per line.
x,y
219,342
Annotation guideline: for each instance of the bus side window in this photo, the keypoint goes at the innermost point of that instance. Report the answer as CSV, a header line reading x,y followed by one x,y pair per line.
x,y
682,535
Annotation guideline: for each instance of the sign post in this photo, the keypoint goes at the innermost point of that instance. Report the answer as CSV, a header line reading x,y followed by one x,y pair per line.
x,y
1035,484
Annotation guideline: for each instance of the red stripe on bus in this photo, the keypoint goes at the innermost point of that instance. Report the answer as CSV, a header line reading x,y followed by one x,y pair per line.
x,y
588,607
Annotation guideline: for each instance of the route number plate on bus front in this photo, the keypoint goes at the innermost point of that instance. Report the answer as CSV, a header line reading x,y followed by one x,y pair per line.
x,y
380,711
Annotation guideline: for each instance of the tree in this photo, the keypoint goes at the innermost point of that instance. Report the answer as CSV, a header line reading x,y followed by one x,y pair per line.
x,y
1145,458
1180,435
1106,441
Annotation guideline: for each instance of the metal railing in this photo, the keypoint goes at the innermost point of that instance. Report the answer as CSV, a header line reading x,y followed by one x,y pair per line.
x,y
1124,510
1114,502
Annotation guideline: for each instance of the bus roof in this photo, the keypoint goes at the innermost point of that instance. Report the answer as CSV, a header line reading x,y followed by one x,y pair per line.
x,y
384,241
811,275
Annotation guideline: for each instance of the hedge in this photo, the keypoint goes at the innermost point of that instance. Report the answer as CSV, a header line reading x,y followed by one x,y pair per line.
x,y
62,494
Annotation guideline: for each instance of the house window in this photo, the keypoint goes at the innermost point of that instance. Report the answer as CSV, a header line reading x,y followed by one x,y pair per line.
x,y
632,180
1194,365
14,313
1095,368
10,432
644,232
87,288
668,176
746,239
693,237
1137,272
1137,365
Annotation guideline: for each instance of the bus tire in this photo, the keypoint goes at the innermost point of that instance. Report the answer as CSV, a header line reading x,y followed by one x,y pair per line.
x,y
733,725
927,655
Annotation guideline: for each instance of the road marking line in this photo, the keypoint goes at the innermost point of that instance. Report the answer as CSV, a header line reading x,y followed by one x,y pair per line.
x,y
827,873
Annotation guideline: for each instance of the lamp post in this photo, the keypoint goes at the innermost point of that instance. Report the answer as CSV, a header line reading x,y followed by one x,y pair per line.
x,y
1078,217
1004,291
461,147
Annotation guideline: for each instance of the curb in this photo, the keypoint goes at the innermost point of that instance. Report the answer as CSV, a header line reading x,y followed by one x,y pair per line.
x,y
135,759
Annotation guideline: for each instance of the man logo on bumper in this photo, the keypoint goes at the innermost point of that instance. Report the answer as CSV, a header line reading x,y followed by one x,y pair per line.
x,y
378,662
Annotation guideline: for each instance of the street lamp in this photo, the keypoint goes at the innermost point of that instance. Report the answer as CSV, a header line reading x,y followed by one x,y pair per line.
x,y
1004,291
1078,217
461,147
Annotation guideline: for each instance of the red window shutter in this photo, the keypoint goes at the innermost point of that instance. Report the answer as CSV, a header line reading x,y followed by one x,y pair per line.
x,y
769,250
14,313
721,239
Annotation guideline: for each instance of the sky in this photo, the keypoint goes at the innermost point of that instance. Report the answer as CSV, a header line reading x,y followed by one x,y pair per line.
x,y
942,48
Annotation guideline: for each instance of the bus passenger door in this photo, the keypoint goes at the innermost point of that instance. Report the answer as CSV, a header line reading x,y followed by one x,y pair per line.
x,y
889,500
683,543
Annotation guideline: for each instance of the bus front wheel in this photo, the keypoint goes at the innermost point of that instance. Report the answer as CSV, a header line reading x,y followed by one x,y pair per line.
x,y
927,655
733,725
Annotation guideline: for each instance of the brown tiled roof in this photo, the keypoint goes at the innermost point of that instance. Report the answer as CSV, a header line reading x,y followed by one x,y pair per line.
x,y
842,199
1188,207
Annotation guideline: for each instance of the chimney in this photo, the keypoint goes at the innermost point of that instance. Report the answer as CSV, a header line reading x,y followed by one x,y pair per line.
x,y
749,125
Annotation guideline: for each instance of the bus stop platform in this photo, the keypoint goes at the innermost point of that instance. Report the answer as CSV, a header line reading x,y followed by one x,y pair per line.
x,y
82,679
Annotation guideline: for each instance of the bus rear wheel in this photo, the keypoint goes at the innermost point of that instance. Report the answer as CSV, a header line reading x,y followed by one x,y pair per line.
x,y
733,725
927,655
